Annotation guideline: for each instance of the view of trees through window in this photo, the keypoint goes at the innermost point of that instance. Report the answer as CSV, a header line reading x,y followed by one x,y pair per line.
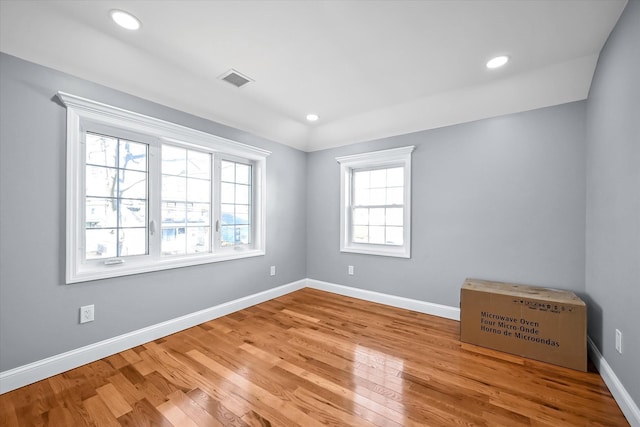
x,y
116,177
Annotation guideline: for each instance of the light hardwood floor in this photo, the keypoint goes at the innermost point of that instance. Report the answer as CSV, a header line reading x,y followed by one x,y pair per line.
x,y
312,358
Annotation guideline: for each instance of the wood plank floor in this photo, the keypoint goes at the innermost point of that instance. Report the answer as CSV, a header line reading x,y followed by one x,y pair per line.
x,y
312,358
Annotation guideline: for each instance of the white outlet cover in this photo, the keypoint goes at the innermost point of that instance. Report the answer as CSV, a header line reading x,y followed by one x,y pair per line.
x,y
273,270
619,341
87,313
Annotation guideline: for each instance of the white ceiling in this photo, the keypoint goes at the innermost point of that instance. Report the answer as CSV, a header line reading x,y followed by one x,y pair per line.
x,y
369,69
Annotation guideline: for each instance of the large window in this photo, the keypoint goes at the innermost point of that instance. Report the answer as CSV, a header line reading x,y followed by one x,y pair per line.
x,y
375,202
144,194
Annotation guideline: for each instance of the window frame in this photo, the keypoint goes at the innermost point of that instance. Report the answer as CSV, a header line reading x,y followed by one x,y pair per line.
x,y
382,159
83,114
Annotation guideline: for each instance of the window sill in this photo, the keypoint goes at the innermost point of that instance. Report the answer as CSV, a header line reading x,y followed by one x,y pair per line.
x,y
90,273
399,252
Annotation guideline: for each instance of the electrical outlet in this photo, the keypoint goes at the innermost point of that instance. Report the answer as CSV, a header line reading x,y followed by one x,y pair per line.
x,y
350,270
273,270
86,313
619,341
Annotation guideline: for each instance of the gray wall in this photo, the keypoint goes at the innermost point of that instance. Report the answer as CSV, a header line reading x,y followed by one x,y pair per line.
x,y
38,312
498,199
503,199
613,200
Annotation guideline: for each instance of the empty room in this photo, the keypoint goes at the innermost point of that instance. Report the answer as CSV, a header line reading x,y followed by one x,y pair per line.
x,y
321,212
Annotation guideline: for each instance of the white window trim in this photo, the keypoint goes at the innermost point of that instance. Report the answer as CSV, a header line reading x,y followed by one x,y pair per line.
x,y
377,159
80,110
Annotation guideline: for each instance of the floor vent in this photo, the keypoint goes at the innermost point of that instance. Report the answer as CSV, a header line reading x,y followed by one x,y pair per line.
x,y
235,78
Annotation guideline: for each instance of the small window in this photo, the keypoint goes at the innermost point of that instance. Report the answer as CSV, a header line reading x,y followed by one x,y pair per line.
x,y
378,206
375,203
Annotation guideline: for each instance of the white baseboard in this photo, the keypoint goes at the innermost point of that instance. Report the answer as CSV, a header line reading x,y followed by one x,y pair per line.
x,y
32,372
45,368
36,371
439,310
620,394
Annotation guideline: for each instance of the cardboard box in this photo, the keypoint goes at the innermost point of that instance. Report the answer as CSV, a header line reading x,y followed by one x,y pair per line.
x,y
540,323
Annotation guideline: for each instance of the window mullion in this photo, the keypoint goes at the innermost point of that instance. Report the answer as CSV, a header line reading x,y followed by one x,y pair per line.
x,y
216,207
155,200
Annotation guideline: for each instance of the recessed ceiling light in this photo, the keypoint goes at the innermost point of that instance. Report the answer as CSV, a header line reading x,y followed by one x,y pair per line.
x,y
497,62
312,117
125,20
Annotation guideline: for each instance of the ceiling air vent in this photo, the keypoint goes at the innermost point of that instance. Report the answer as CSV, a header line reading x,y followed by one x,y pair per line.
x,y
235,78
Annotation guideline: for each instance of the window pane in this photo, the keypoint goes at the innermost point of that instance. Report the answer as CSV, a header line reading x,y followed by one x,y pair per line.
x,y
174,160
101,150
395,216
377,196
133,184
101,243
361,216
133,155
199,165
242,214
198,213
376,235
376,216
361,197
100,182
173,213
395,196
361,180
198,239
173,241
228,214
234,235
133,213
243,173
395,177
101,213
227,236
198,190
394,236
174,188
242,194
378,178
227,171
361,234
242,234
133,241
227,192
